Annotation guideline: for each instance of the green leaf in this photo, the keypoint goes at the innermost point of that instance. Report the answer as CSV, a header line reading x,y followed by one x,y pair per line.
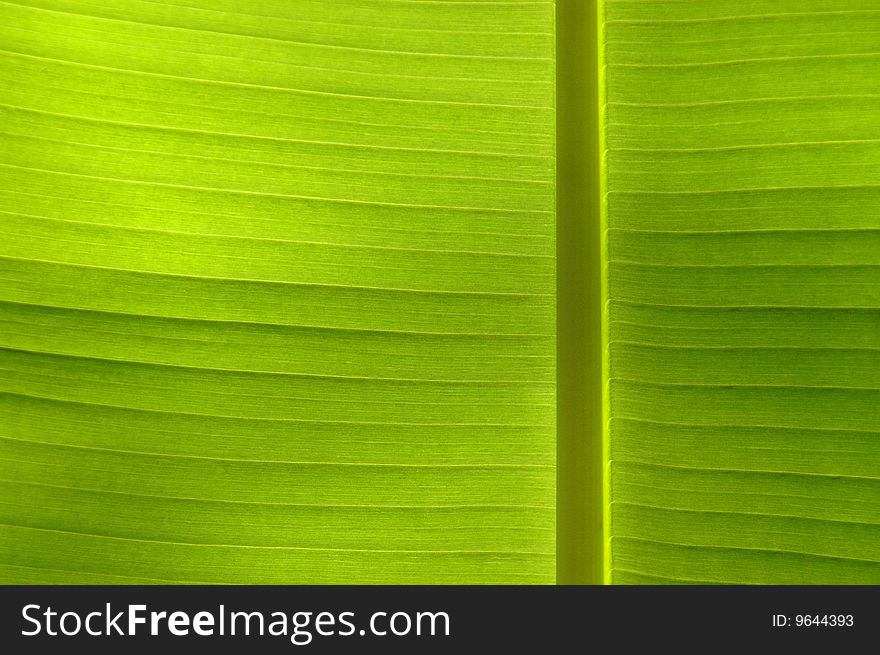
x,y
277,292
743,268
280,304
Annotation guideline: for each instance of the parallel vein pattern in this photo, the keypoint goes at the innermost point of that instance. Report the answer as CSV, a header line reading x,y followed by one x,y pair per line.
x,y
277,291
744,290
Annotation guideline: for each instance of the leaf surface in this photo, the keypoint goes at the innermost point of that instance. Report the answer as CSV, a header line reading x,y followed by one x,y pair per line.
x,y
743,278
277,292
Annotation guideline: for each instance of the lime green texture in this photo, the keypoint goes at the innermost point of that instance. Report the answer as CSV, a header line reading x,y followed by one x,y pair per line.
x,y
742,149
278,292
279,283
